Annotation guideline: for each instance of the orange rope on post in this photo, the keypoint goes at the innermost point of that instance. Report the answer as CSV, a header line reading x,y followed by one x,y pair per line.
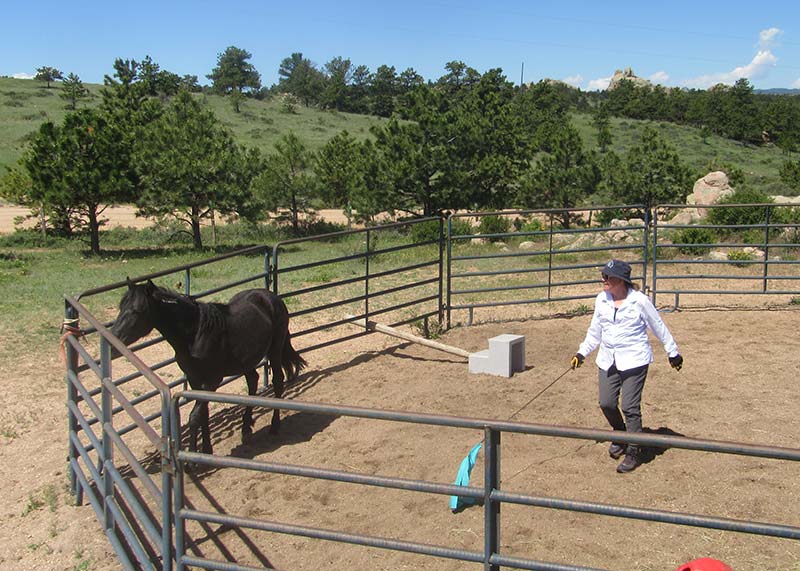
x,y
69,327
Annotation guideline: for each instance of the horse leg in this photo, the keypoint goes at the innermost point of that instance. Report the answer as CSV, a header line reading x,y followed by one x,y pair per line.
x,y
247,419
198,420
204,429
277,386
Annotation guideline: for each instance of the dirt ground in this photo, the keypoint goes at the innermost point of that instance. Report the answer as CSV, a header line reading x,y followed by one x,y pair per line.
x,y
738,384
116,216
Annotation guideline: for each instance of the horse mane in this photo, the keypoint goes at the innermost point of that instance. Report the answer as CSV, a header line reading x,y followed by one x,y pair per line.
x,y
212,318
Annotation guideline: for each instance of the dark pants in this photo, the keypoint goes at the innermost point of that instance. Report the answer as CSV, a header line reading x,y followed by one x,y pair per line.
x,y
629,385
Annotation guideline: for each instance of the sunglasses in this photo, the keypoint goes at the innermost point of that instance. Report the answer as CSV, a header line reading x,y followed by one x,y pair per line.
x,y
605,277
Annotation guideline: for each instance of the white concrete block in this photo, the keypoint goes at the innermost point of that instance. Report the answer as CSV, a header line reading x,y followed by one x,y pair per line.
x,y
478,361
506,356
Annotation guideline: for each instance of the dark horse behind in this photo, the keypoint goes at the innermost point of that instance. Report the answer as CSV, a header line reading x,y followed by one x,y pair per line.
x,y
214,340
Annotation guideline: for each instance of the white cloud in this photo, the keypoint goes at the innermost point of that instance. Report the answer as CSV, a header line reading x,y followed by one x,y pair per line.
x,y
767,38
599,84
23,76
796,83
574,80
759,67
660,77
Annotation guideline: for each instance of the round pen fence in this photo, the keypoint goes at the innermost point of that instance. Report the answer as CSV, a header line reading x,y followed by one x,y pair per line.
x,y
538,256
127,456
726,250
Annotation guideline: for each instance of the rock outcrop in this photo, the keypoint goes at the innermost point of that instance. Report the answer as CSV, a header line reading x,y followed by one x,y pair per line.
x,y
628,75
709,190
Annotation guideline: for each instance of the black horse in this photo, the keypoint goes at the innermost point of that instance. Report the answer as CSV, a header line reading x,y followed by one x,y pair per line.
x,y
214,340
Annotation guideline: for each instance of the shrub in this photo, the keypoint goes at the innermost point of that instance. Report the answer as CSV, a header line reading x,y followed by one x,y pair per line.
x,y
425,232
738,257
461,227
735,216
691,237
533,225
493,224
31,238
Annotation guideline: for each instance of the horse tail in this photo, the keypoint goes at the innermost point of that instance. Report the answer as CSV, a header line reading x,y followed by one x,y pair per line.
x,y
292,361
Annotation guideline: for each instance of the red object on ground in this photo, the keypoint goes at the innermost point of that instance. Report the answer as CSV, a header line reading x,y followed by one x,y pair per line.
x,y
704,564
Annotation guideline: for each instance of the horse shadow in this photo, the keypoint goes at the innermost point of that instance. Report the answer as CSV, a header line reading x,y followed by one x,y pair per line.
x,y
649,453
296,427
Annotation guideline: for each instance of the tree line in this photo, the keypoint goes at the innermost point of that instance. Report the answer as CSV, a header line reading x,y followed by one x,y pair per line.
x,y
732,111
467,141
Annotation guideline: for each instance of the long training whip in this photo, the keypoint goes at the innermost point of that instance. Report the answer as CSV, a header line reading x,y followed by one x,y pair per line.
x,y
558,378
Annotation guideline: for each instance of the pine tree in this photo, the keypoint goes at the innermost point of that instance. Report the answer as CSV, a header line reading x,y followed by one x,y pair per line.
x,y
73,90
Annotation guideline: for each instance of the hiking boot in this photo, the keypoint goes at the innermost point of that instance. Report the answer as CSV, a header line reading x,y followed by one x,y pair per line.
x,y
630,462
616,450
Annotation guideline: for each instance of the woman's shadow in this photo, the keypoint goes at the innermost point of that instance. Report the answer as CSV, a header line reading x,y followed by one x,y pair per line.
x,y
649,453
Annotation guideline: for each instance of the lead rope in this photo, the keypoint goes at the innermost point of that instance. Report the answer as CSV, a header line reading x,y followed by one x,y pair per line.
x,y
523,407
558,378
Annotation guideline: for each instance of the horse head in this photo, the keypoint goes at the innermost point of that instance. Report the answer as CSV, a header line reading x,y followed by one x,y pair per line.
x,y
136,312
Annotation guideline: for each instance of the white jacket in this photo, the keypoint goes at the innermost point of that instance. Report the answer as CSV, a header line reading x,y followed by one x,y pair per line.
x,y
621,332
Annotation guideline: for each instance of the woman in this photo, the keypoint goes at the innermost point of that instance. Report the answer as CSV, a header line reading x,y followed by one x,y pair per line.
x,y
622,315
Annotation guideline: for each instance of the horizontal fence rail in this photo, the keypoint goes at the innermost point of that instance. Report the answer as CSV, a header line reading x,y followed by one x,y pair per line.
x,y
492,496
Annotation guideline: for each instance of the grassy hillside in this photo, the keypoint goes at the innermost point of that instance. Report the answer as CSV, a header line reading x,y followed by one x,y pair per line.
x,y
759,164
26,103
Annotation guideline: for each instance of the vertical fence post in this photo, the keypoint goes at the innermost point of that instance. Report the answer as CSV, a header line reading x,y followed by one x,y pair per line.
x,y
107,410
366,279
440,309
274,269
168,471
449,266
491,508
646,235
550,258
187,282
766,251
655,257
177,484
72,398
267,268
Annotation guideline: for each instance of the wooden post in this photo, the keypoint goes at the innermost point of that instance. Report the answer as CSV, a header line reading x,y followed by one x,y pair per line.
x,y
373,326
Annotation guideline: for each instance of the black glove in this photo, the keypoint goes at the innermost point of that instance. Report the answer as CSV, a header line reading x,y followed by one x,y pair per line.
x,y
676,362
577,361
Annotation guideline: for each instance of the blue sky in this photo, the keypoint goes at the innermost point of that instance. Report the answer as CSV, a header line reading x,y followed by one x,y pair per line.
x,y
672,42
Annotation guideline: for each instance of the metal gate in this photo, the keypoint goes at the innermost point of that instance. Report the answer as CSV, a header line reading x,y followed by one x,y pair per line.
x,y
125,454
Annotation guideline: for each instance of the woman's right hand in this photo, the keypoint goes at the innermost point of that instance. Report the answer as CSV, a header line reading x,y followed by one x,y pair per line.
x,y
577,361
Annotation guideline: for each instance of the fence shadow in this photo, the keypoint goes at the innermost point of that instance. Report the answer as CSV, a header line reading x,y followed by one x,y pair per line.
x,y
213,533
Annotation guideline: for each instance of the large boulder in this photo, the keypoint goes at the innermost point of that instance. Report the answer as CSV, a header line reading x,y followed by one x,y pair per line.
x,y
709,189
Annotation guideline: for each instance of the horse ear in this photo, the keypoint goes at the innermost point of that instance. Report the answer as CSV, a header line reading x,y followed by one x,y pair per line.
x,y
130,283
151,287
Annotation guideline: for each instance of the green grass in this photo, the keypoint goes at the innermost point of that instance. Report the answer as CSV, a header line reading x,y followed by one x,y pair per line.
x,y
25,104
